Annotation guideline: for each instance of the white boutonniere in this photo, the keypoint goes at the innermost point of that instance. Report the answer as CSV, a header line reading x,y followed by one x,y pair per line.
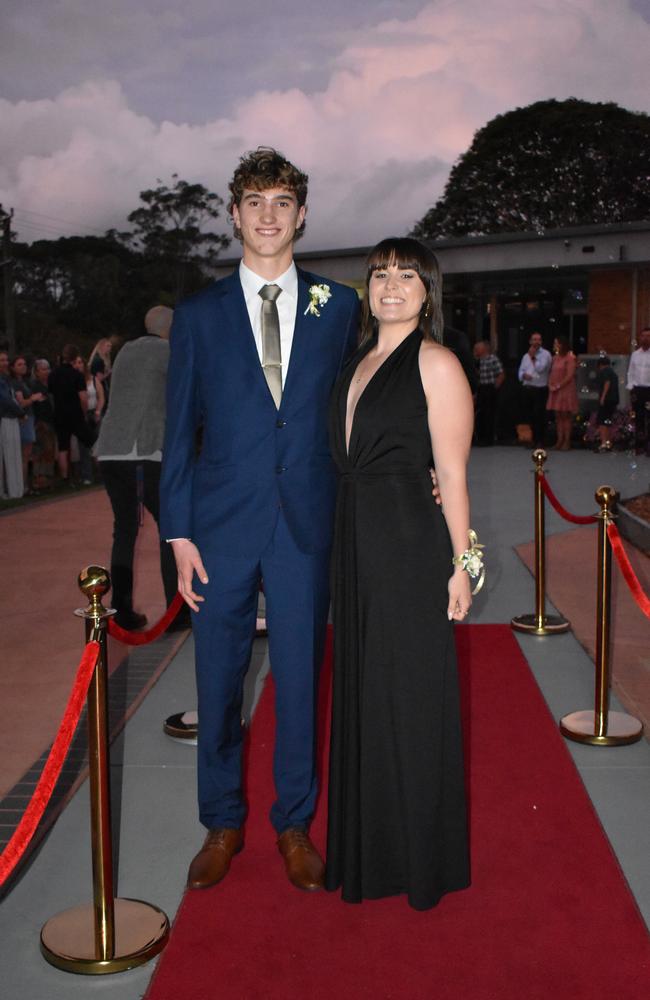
x,y
319,295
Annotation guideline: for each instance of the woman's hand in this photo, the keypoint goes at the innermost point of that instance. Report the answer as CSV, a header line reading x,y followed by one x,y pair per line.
x,y
460,595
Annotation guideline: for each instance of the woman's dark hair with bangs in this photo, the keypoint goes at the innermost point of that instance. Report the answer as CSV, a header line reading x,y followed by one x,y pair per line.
x,y
410,255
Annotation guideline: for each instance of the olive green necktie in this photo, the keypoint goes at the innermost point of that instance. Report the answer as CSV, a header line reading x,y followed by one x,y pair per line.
x,y
271,351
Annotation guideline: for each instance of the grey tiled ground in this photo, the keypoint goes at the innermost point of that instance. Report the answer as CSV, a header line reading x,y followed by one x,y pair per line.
x,y
154,777
127,683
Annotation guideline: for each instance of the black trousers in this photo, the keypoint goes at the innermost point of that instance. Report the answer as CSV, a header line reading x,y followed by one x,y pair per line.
x,y
66,426
486,414
535,403
121,482
640,398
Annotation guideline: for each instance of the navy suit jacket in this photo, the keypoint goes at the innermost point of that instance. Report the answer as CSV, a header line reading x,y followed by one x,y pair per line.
x,y
254,458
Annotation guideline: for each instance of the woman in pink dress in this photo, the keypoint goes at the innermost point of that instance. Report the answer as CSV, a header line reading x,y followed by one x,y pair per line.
x,y
563,396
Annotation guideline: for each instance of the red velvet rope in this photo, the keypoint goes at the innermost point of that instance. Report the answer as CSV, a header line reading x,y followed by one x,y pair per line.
x,y
625,567
141,638
562,511
24,832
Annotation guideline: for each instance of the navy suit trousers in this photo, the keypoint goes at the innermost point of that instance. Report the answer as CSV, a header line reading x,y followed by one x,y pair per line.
x,y
297,600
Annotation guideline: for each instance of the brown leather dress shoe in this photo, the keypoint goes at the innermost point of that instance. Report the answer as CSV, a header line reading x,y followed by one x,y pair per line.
x,y
212,862
304,864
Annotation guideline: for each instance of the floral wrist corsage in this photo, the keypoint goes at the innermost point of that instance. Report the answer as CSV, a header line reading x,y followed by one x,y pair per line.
x,y
471,560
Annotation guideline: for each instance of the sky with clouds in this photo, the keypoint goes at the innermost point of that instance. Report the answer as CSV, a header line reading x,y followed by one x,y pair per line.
x,y
375,101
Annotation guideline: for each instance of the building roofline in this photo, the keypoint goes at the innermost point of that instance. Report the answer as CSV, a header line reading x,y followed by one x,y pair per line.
x,y
449,243
574,232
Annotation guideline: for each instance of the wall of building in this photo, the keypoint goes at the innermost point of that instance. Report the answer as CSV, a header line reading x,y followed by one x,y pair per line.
x,y
619,306
643,298
608,265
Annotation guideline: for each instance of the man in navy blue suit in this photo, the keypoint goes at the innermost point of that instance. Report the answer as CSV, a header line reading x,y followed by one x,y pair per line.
x,y
253,361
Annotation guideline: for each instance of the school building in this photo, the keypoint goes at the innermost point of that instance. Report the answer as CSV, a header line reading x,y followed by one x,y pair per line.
x,y
590,283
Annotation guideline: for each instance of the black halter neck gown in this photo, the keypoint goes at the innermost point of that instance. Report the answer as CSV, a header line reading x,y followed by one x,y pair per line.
x,y
397,820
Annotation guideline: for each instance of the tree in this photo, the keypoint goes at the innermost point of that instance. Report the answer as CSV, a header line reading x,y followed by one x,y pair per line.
x,y
546,166
80,288
7,237
169,227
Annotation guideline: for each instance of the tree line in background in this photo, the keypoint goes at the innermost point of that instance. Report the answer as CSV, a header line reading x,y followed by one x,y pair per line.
x,y
82,288
550,165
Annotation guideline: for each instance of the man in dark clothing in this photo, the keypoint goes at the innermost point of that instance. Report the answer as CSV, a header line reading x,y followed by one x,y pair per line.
x,y
607,382
45,448
491,376
68,389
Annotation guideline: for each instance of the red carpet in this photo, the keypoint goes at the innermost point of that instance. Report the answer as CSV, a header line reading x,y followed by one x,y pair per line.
x,y
548,915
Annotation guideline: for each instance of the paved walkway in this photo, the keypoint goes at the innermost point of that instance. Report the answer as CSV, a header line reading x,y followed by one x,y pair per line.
x,y
154,777
44,547
570,556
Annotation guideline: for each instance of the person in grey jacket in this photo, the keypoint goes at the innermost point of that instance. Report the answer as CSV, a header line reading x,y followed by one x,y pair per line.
x,y
129,449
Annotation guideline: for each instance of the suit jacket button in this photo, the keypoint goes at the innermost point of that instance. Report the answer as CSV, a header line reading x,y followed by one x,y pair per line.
x,y
280,423
281,468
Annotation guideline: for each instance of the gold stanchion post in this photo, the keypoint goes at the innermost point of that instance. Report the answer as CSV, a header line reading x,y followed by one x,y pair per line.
x,y
540,623
602,727
111,935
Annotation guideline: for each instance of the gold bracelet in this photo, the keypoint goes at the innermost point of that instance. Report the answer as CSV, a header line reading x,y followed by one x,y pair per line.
x,y
471,560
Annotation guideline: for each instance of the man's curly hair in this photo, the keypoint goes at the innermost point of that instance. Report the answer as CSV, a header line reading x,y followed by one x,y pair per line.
x,y
265,168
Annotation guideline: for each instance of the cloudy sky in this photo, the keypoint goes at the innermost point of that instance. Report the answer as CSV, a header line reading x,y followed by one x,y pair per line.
x,y
374,100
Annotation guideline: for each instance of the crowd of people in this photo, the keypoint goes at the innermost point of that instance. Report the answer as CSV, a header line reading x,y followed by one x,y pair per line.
x,y
50,416
548,394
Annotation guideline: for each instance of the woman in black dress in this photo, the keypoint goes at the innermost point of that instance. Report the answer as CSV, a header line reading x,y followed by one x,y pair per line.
x,y
397,820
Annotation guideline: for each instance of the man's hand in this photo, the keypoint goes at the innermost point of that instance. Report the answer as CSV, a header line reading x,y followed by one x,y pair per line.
x,y
188,562
435,492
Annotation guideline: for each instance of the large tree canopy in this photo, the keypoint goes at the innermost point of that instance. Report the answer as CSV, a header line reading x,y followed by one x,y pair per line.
x,y
546,166
84,287
170,226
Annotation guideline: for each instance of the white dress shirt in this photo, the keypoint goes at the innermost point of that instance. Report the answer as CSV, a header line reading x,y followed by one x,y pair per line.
x,y
156,456
538,368
287,303
638,372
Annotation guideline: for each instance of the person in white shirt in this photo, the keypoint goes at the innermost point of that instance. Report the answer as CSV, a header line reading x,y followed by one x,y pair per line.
x,y
533,374
638,382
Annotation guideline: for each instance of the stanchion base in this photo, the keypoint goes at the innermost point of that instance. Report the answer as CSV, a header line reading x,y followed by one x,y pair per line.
x,y
68,939
551,624
582,727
